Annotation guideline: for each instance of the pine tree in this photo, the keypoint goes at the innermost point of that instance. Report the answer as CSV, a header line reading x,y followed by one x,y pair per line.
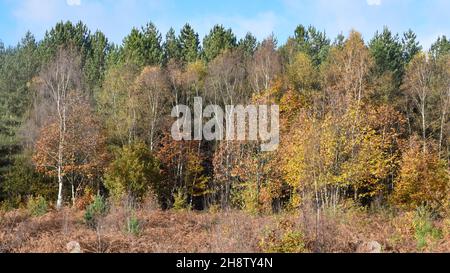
x,y
66,35
218,40
189,44
95,67
133,47
440,47
172,48
17,67
151,42
387,51
248,44
410,46
312,42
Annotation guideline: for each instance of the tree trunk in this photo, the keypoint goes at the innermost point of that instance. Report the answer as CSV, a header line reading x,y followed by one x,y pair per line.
x,y
60,189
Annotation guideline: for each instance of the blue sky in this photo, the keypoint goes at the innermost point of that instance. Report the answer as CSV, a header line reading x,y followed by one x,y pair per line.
x,y
115,18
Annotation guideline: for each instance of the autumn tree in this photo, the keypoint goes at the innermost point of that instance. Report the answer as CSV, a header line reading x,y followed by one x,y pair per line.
x,y
152,91
117,103
345,74
182,169
417,86
76,154
264,66
60,82
134,173
423,179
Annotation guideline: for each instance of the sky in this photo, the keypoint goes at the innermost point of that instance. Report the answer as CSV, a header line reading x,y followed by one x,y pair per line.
x,y
429,19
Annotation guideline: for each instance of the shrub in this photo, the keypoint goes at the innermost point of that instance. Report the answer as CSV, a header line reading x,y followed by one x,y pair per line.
x,y
425,231
133,172
22,181
83,201
95,211
37,206
284,239
180,201
423,178
133,226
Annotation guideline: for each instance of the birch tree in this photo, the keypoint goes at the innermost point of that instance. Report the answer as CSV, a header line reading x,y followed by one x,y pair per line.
x,y
59,81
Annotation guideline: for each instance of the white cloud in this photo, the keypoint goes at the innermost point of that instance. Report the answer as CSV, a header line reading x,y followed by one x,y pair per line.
x,y
374,2
73,2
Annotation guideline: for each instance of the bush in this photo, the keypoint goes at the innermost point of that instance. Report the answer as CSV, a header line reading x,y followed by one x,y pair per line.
x,y
37,206
425,231
284,239
422,179
95,211
133,226
23,180
180,201
134,172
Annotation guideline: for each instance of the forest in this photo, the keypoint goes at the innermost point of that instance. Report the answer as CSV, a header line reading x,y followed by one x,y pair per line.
x,y
86,152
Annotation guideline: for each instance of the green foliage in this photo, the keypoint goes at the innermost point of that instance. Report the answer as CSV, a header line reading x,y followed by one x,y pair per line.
x,y
134,172
425,231
95,211
17,68
387,51
312,42
95,66
248,44
143,47
180,201
37,206
66,34
133,225
410,46
440,47
22,180
218,40
172,47
189,44
93,48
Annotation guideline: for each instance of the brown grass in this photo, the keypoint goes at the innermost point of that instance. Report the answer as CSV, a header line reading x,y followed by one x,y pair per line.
x,y
197,232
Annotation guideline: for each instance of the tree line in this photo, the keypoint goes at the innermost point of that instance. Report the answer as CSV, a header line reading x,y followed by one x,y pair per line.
x,y
362,122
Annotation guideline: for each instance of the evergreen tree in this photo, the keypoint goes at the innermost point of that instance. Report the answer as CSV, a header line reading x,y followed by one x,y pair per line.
x,y
410,46
133,48
312,42
339,41
189,44
66,35
387,51
172,47
440,47
152,49
96,62
248,44
218,40
17,67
